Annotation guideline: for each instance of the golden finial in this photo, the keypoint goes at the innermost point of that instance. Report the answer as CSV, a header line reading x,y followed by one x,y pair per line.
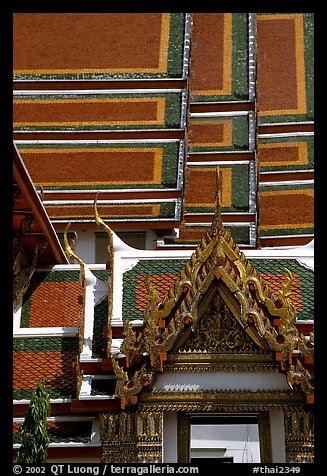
x,y
153,295
217,223
285,292
110,248
70,252
100,222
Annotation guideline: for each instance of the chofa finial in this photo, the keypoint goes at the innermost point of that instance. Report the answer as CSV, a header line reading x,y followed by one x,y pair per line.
x,y
217,223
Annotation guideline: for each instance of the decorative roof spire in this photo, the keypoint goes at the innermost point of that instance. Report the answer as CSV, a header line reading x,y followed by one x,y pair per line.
x,y
110,248
71,255
217,224
109,231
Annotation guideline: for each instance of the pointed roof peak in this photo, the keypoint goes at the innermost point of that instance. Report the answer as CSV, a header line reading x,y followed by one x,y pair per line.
x,y
217,224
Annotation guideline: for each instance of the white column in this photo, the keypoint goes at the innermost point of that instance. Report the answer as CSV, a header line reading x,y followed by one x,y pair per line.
x,y
169,437
277,431
90,281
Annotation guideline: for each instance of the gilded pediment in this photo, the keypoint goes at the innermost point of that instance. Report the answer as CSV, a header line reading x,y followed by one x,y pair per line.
x,y
219,332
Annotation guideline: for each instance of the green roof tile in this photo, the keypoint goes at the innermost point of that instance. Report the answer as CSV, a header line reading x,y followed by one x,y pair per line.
x,y
302,291
100,321
135,277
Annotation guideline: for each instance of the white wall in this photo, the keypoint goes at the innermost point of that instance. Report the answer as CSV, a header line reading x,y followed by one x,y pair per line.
x,y
85,248
277,430
253,381
169,437
241,441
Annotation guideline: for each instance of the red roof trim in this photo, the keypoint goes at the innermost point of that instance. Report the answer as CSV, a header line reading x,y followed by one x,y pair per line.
x,y
26,186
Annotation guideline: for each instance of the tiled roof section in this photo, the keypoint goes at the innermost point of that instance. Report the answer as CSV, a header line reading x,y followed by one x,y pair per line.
x,y
218,133
219,57
286,153
74,112
100,318
127,46
286,209
163,274
16,427
191,235
53,299
77,431
273,274
52,359
100,322
102,274
63,431
284,50
201,189
106,166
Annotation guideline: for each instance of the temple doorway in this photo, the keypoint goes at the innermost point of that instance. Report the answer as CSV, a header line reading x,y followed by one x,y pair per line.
x,y
224,439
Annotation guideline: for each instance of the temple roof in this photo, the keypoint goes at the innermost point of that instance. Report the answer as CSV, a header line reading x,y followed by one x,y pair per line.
x,y
29,209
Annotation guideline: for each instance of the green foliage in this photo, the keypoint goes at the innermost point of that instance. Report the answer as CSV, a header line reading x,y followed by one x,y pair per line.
x,y
34,430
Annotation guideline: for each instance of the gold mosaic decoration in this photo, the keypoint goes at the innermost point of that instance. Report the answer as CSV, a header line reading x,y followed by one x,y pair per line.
x,y
299,437
254,315
131,437
220,333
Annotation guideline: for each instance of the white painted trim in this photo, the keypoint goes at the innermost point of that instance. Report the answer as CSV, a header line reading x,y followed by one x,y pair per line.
x,y
26,332
218,162
169,437
98,397
303,254
253,381
95,433
286,182
226,223
116,190
91,92
69,444
93,141
86,387
108,202
60,418
24,401
90,281
286,172
219,114
284,134
17,317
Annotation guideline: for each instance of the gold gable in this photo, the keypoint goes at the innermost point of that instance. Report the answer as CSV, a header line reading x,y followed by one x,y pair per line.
x,y
219,332
217,272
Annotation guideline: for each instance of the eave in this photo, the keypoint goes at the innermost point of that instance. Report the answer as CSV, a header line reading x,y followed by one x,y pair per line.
x,y
29,204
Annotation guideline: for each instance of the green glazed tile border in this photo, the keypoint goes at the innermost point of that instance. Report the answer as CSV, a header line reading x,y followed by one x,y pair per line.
x,y
240,68
174,69
306,280
172,113
309,79
240,135
40,277
170,160
144,268
309,140
240,191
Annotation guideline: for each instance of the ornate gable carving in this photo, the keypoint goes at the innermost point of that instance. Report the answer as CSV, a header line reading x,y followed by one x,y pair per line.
x,y
219,332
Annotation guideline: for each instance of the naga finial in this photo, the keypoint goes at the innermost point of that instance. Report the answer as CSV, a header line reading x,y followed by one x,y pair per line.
x,y
109,231
70,252
285,291
217,223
